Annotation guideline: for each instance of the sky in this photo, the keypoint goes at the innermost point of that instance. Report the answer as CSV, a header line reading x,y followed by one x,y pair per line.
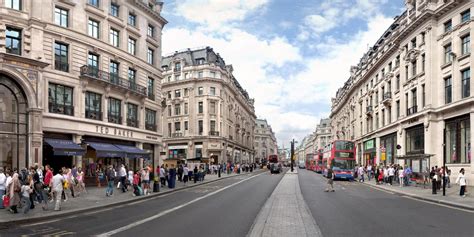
x,y
290,55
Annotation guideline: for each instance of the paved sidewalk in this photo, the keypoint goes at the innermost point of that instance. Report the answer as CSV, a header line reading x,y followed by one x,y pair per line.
x,y
452,197
94,199
285,213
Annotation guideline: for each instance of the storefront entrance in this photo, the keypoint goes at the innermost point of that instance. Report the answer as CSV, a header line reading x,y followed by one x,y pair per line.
x,y
388,149
13,125
369,152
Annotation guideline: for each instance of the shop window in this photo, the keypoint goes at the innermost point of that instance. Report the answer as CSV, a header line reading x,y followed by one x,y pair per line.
x,y
415,140
457,140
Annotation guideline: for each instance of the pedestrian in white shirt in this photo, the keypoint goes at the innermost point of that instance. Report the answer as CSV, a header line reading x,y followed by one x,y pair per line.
x,y
369,172
185,173
461,180
400,176
361,173
3,182
57,188
391,174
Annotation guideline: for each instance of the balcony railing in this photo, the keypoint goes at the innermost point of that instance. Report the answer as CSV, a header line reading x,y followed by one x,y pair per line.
x,y
150,127
114,118
412,110
92,114
368,110
131,122
177,134
61,66
213,133
61,109
113,79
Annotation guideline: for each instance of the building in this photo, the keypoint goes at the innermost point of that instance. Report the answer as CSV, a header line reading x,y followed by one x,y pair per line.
x,y
322,134
208,117
265,141
78,81
408,100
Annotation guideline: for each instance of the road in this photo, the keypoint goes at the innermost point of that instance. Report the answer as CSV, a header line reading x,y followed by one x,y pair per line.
x,y
223,208
358,210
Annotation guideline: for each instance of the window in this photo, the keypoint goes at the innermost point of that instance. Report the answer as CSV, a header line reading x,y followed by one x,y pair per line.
x,y
200,74
423,62
466,81
150,120
212,91
94,3
200,61
114,37
212,107
61,56
169,129
150,55
406,73
60,99
376,97
132,43
13,41
200,107
93,106
447,90
383,117
448,26
390,67
376,121
93,28
114,9
423,35
466,44
397,83
114,72
169,94
177,126
465,16
177,109
200,127
213,74
200,91
177,67
415,140
61,17
397,61
413,43
185,108
132,76
177,77
458,137
151,88
398,109
414,99
186,91
13,4
423,96
186,125
413,68
132,115
448,57
93,63
150,31
132,19
115,111
212,125
169,111
177,93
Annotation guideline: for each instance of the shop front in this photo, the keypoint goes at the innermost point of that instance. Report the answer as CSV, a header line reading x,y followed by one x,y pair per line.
x,y
60,151
457,139
415,156
388,146
369,152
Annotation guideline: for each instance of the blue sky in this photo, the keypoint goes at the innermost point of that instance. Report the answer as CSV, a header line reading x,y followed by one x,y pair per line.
x,y
290,55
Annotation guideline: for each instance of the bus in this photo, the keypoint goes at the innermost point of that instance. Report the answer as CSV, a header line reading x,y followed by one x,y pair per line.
x,y
340,156
308,161
318,161
273,164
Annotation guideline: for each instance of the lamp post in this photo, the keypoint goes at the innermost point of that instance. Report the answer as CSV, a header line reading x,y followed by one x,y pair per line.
x,y
292,155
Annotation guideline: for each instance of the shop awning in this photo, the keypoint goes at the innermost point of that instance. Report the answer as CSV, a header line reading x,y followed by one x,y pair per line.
x,y
106,150
414,156
65,147
134,152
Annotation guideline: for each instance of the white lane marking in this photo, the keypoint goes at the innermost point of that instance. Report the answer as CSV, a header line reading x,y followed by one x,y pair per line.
x,y
137,223
439,204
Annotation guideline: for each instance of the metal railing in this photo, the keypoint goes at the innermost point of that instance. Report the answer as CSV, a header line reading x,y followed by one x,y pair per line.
x,y
213,133
150,127
92,114
114,118
412,110
113,79
132,122
61,109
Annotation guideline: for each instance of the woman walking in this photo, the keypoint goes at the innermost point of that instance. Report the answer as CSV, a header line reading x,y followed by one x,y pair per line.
x,y
461,180
14,188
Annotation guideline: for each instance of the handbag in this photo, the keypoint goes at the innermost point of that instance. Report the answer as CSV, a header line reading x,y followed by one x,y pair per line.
x,y
6,200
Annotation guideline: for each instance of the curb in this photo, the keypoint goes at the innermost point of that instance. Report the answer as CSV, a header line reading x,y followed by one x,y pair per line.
x,y
6,224
399,193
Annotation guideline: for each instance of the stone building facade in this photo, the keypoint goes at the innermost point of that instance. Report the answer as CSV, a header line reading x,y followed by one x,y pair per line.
x,y
265,141
78,81
208,117
408,100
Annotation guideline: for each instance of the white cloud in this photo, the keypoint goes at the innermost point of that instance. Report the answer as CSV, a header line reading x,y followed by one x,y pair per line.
x,y
215,13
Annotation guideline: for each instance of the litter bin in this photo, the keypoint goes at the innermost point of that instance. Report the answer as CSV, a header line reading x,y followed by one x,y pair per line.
x,y
156,187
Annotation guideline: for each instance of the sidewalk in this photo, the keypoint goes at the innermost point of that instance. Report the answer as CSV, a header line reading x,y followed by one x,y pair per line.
x,y
452,197
95,199
285,213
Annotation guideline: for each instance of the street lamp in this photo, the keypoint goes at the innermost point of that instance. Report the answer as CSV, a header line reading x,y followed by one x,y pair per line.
x,y
292,155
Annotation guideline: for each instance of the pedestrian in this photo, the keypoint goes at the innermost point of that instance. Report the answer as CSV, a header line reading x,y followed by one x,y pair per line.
x,y
180,173
186,174
195,174
3,187
162,176
381,175
110,178
330,177
123,178
406,175
136,184
56,186
130,178
361,173
434,178
80,180
461,180
26,192
145,181
14,188
369,172
448,177
172,177
400,176
391,174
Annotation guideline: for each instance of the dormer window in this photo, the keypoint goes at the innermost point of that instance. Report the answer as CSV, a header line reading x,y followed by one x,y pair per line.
x,y
200,61
177,67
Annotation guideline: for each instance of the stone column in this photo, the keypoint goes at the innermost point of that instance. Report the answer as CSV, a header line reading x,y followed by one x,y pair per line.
x,y
378,152
35,154
140,160
77,160
471,177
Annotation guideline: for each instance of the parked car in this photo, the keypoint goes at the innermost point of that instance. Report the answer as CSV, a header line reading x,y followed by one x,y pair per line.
x,y
301,165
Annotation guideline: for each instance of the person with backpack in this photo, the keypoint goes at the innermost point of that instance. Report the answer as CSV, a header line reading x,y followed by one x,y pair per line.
x,y
330,177
110,178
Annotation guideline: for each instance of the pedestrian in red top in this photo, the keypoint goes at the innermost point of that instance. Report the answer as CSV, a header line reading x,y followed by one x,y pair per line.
x,y
136,183
48,176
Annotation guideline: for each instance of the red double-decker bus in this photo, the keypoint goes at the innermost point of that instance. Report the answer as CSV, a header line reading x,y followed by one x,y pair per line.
x,y
318,161
340,156
309,161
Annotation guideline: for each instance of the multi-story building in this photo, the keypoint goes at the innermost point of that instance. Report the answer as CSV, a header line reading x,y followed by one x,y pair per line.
x,y
208,117
78,81
408,100
322,135
265,141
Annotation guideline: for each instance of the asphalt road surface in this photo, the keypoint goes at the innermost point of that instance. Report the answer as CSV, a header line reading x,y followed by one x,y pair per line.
x,y
358,210
224,208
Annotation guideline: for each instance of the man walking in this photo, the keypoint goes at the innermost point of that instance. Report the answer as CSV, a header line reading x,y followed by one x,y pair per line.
x,y
391,174
110,177
56,185
361,173
330,177
123,178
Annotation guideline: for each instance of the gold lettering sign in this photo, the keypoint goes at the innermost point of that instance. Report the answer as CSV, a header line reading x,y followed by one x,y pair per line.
x,y
113,131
